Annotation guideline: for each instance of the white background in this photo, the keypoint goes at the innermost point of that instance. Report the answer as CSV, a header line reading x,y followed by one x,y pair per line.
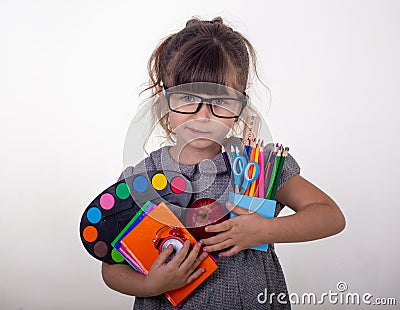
x,y
70,74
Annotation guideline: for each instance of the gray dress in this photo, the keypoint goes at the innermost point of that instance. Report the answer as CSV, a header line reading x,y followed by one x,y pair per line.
x,y
241,280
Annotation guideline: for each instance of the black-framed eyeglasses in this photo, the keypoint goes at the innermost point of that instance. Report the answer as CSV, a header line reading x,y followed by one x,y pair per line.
x,y
189,103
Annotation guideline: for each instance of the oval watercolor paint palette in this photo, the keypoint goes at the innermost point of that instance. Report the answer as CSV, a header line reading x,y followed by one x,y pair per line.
x,y
108,214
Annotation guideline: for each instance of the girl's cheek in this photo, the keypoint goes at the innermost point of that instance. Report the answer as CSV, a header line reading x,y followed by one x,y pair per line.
x,y
176,119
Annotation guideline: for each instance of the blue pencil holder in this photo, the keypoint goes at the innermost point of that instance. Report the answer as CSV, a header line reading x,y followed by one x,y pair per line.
x,y
264,207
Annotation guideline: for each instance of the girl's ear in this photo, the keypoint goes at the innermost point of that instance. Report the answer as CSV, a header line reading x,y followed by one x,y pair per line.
x,y
169,128
160,87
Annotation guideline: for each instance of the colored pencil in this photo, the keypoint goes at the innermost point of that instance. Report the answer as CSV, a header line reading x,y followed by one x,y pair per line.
x,y
270,166
237,151
274,172
247,148
261,176
254,183
238,154
227,163
279,172
258,161
233,153
252,155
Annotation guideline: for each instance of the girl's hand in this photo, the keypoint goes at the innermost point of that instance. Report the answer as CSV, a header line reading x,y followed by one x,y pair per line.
x,y
178,272
241,232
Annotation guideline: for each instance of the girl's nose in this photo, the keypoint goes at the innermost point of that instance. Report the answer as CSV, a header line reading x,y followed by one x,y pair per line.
x,y
204,111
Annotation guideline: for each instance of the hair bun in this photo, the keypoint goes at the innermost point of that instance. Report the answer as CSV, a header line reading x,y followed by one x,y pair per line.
x,y
196,21
217,20
193,21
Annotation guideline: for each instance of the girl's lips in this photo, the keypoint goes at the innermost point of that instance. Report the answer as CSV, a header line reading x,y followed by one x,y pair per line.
x,y
197,132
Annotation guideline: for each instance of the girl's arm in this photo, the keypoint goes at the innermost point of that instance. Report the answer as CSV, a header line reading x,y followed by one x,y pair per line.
x,y
317,216
124,279
162,276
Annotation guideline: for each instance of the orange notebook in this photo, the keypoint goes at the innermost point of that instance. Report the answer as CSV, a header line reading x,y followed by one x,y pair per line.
x,y
139,243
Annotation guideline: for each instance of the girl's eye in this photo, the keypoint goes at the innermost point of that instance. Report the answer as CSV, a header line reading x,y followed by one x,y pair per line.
x,y
187,98
218,101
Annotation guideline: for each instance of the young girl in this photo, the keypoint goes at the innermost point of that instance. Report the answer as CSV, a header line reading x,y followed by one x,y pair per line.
x,y
212,54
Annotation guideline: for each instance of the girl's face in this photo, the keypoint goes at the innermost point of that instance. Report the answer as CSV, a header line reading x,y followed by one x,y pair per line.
x,y
201,130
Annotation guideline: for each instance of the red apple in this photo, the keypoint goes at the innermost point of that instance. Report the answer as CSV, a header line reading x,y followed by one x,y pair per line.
x,y
203,212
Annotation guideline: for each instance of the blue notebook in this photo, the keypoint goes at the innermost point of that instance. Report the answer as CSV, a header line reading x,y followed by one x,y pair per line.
x,y
264,207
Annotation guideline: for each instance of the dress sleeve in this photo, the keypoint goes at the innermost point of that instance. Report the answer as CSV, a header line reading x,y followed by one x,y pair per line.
x,y
290,168
147,164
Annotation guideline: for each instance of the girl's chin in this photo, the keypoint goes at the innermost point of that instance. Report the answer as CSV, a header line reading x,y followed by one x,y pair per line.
x,y
202,143
195,151
199,145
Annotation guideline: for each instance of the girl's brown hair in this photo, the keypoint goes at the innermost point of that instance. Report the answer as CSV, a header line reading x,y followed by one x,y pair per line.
x,y
203,51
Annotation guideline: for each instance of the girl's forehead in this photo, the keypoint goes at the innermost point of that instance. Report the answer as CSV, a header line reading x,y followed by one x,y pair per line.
x,y
226,76
205,88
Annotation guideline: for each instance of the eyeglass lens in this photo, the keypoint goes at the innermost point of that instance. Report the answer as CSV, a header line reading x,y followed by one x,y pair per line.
x,y
189,103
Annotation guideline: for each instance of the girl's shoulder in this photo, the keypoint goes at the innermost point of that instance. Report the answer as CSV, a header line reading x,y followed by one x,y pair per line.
x,y
290,169
151,162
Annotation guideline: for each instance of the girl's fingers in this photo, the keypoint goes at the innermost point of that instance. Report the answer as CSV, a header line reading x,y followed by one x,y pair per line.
x,y
216,239
219,246
198,261
230,252
195,275
180,256
188,262
163,256
223,226
240,211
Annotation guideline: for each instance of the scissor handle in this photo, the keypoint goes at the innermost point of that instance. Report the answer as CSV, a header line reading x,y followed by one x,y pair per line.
x,y
238,166
248,180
